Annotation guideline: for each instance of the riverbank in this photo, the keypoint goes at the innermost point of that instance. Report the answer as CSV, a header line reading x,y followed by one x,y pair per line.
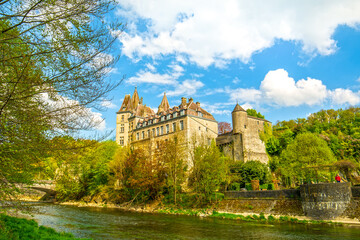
x,y
214,213
21,228
233,209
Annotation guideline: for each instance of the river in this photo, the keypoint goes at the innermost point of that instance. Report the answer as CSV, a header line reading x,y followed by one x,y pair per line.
x,y
103,223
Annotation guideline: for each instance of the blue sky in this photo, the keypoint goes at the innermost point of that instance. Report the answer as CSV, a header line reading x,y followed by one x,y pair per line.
x,y
286,59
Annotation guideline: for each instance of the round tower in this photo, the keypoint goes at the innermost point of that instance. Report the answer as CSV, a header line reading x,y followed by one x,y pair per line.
x,y
239,119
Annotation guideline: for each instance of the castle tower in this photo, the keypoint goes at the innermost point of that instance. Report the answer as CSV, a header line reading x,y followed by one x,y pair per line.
x,y
239,119
135,99
164,105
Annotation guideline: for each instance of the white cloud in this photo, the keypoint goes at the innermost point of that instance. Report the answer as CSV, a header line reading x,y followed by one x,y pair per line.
x,y
186,88
280,89
214,32
244,95
344,96
108,104
219,109
154,78
150,67
236,80
71,113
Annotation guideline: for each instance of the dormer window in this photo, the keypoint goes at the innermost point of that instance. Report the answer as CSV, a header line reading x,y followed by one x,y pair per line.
x,y
182,112
162,118
200,114
174,114
168,116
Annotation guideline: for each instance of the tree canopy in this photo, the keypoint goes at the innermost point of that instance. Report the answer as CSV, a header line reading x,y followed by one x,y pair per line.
x,y
53,62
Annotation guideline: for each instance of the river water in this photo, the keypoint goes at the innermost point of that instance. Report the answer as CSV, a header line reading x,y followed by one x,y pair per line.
x,y
102,223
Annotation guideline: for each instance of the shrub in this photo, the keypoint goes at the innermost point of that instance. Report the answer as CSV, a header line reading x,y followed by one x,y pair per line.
x,y
252,170
271,186
248,186
234,186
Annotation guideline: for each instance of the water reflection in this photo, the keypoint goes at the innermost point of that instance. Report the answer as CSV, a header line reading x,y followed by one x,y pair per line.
x,y
99,223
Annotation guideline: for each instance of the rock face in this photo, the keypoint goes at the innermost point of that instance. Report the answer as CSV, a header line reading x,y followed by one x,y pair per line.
x,y
325,200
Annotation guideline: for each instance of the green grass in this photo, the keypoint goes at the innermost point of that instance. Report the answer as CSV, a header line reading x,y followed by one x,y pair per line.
x,y
21,229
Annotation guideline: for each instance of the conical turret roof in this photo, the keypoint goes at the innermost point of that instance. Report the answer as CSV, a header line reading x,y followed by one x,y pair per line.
x,y
238,108
164,105
125,103
135,99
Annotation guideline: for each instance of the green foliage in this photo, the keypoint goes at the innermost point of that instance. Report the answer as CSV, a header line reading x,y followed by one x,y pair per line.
x,y
50,74
234,186
273,146
248,186
270,186
254,113
255,170
209,170
305,157
83,170
19,228
143,178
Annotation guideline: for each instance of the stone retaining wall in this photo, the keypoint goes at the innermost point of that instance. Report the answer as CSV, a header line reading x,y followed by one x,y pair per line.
x,y
285,202
271,194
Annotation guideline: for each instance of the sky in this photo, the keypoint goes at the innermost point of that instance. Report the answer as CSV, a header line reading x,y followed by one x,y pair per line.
x,y
286,59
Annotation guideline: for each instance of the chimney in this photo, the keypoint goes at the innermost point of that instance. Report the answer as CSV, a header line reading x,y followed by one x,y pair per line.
x,y
198,104
183,101
190,100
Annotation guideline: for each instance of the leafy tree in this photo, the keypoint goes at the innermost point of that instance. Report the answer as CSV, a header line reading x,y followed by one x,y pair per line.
x,y
53,62
254,113
254,170
171,153
224,127
209,170
143,178
304,157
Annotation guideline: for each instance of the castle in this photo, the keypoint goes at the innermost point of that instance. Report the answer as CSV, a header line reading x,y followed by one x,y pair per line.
x,y
243,143
139,126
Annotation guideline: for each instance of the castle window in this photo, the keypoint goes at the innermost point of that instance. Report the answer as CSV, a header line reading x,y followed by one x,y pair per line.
x,y
199,128
157,131
122,141
122,118
162,130
181,125
137,136
182,112
174,127
200,114
142,134
122,128
168,116
258,122
245,126
174,114
153,132
148,133
167,128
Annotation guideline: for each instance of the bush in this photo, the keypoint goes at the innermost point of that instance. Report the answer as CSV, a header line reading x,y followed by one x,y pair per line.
x,y
271,186
264,186
248,186
252,170
234,187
